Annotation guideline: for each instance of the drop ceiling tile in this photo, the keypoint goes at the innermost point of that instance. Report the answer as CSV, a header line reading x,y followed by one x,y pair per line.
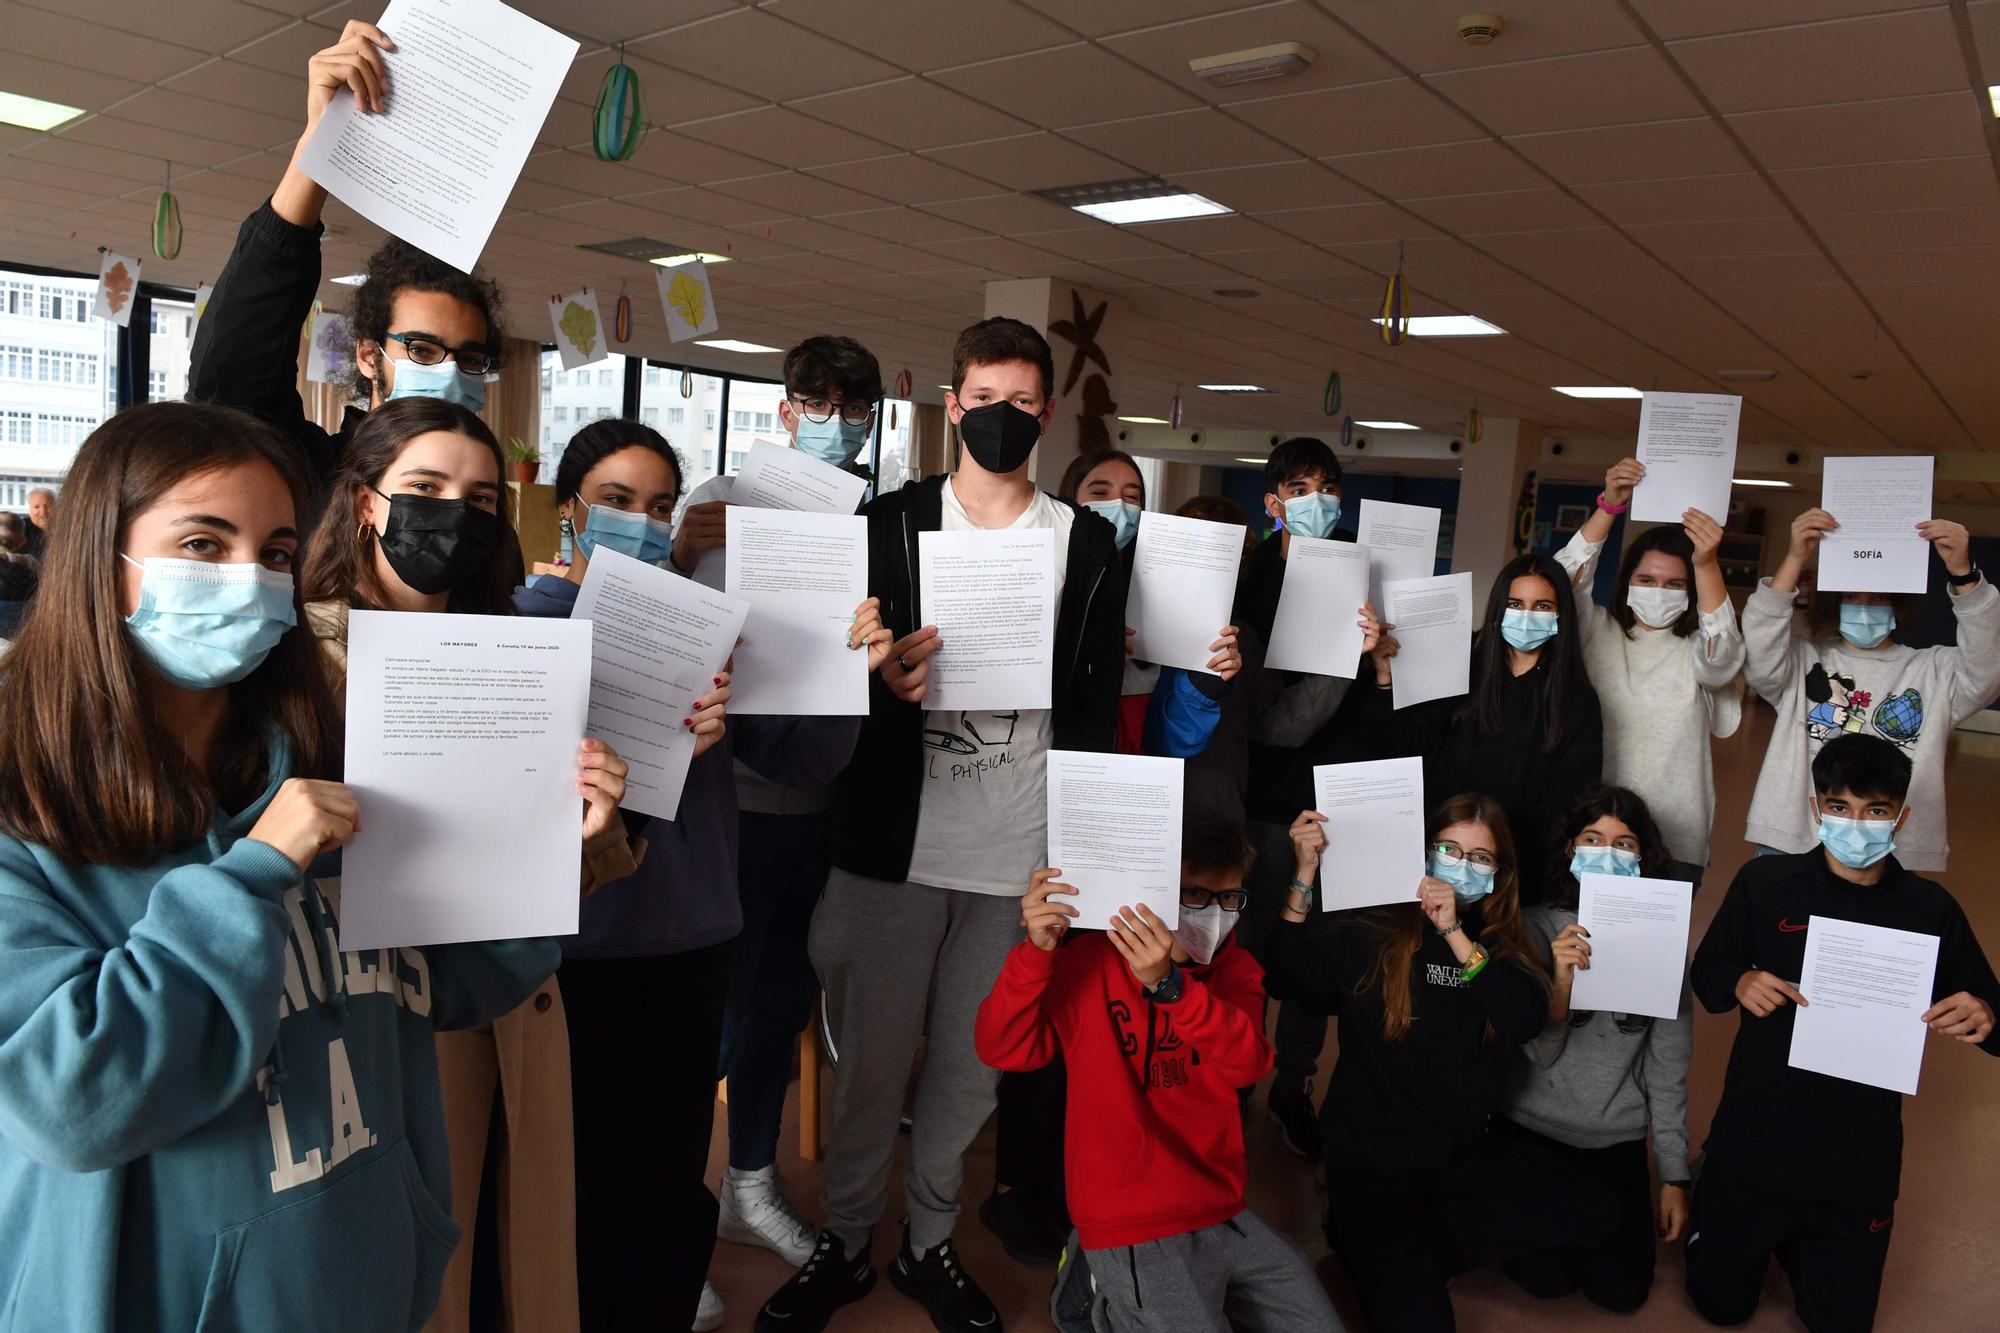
x,y
1349,224
67,85
1181,141
46,35
1740,194
994,252
1480,166
1722,275
533,196
1985,20
906,178
236,83
212,120
670,96
1939,125
1038,161
214,26
1744,236
1292,261
1886,55
1200,236
783,136
1693,147
797,193
672,155
922,35
584,174
161,143
1673,19
1917,228
1274,185
1094,244
107,164
1011,214
622,218
1340,58
1398,113
912,113
1423,34
1868,187
1102,17
1627,87
1544,209
613,21
756,52
803,235
1066,85
904,226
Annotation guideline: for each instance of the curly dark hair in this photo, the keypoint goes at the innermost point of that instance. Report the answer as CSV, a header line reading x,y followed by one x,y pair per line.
x,y
1589,806
400,266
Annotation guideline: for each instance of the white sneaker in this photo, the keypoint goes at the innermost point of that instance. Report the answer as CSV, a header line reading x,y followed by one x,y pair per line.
x,y
708,1315
755,1211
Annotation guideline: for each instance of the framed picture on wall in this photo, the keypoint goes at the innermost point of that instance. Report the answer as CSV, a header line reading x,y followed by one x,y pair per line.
x,y
1571,517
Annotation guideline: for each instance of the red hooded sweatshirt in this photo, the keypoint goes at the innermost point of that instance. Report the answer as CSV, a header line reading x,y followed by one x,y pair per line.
x,y
1154,1141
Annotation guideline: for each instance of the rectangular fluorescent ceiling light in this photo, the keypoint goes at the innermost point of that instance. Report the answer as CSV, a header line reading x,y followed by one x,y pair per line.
x,y
1146,421
350,280
1386,425
675,261
1597,391
1993,96
1449,326
1754,481
32,113
1233,388
1258,461
1146,199
734,345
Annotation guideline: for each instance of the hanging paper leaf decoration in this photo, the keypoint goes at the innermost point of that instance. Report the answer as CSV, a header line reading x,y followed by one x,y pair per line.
x,y
688,297
1346,431
1396,306
620,122
580,327
687,384
167,226
118,286
903,383
621,319
1330,400
1474,427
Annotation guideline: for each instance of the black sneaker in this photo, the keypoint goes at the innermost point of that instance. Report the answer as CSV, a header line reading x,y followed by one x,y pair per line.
x,y
824,1283
1292,1111
1025,1226
940,1284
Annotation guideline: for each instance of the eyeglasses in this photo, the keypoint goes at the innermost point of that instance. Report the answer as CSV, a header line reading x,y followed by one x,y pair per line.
x,y
1480,857
1229,900
823,409
430,352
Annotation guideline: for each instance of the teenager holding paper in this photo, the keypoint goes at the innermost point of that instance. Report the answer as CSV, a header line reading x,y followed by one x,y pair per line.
x,y
937,824
1433,998
417,521
658,942
1591,1086
1663,659
1528,733
1848,674
421,328
208,1113
1155,1137
1799,1164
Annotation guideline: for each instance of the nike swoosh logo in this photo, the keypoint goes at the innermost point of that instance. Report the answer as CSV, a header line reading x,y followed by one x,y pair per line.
x,y
1786,926
1880,1224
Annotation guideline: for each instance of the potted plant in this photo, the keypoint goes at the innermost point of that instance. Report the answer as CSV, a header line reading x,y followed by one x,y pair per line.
x,y
526,458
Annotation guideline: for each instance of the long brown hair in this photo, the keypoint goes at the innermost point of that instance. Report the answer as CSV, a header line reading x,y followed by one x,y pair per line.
x,y
86,769
340,559
1402,927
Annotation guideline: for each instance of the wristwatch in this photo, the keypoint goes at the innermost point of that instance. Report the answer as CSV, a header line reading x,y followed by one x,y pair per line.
x,y
1168,988
1961,580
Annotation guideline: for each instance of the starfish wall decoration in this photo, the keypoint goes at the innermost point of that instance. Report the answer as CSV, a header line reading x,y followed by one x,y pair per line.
x,y
1080,331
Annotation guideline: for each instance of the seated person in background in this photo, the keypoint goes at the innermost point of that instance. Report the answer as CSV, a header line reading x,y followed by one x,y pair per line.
x,y
1154,1155
18,572
1591,1086
1800,1164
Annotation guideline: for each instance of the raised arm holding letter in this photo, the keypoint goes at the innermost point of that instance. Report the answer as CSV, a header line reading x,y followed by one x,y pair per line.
x,y
1878,503
1374,832
1402,543
1433,626
1183,584
1688,443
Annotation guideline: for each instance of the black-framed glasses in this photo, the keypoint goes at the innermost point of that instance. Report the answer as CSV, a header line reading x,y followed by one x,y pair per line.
x,y
816,409
1229,900
1452,850
430,352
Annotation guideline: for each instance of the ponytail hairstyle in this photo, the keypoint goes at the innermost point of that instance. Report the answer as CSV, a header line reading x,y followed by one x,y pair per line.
x,y
601,439
1591,805
1485,704
1400,929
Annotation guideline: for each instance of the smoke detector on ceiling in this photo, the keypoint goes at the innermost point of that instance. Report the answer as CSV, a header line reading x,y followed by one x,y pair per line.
x,y
1479,29
1259,64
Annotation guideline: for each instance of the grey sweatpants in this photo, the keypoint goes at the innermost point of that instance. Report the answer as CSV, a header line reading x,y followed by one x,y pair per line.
x,y
1237,1275
888,955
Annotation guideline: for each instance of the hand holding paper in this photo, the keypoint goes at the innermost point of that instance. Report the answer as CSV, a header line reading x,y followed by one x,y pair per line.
x,y
1183,583
1868,988
1638,931
1115,832
1878,504
1433,628
1374,831
991,595
1401,541
1687,442
1313,631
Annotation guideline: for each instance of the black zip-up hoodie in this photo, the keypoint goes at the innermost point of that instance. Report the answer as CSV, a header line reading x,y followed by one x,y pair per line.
x,y
876,800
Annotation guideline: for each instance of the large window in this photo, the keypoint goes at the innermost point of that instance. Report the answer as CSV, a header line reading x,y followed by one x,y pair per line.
x,y
57,377
892,444
662,407
572,400
168,349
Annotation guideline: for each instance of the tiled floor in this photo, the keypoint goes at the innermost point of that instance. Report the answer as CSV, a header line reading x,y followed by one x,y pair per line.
x,y
1942,1269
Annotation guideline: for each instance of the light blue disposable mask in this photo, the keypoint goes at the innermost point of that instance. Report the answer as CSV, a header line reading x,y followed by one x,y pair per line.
x,y
1857,843
831,441
1469,880
1528,630
1313,515
1603,861
443,380
1122,515
628,533
205,625
1866,626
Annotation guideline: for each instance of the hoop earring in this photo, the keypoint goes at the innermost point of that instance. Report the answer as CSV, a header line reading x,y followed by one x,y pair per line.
x,y
362,532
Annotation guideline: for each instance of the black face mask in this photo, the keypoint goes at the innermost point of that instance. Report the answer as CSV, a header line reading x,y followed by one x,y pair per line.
x,y
435,545
999,436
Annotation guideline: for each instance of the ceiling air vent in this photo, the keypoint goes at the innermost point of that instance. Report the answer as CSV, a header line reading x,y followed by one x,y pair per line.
x,y
1259,64
638,247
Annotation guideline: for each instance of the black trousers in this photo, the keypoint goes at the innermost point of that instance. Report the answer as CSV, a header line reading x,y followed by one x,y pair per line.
x,y
1402,1234
1617,1272
644,1037
1028,1132
1834,1256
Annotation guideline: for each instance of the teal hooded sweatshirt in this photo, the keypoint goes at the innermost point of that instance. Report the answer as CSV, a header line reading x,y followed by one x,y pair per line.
x,y
210,1117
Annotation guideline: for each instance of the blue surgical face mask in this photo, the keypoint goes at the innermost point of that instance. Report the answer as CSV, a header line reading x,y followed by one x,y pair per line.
x,y
1866,626
1469,880
1528,630
205,625
1313,515
1603,861
831,441
1857,843
443,380
626,532
1122,515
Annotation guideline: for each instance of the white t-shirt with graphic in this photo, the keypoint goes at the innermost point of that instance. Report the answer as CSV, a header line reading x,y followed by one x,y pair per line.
x,y
982,819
